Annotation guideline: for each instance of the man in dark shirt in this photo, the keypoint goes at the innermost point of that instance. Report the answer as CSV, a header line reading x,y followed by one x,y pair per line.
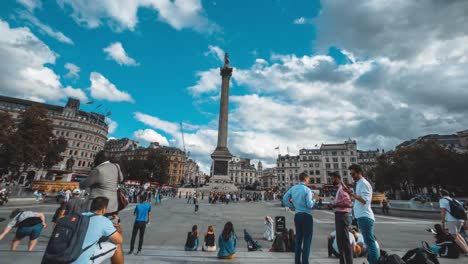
x,y
75,205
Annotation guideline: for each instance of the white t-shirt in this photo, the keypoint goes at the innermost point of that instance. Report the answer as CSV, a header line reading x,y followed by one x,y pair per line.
x,y
363,189
444,203
352,241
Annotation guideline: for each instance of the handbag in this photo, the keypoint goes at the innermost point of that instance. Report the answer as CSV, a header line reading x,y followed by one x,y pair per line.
x,y
122,200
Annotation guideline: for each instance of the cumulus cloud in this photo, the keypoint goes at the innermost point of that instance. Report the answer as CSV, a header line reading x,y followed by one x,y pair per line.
x,y
30,4
123,14
23,71
101,88
75,93
43,28
215,51
116,52
112,125
149,136
156,123
208,81
397,30
73,71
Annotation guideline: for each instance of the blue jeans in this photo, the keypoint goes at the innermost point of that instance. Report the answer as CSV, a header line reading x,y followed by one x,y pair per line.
x,y
304,229
366,226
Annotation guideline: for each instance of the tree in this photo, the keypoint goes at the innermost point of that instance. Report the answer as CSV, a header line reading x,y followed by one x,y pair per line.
x,y
6,131
99,158
54,151
7,127
157,164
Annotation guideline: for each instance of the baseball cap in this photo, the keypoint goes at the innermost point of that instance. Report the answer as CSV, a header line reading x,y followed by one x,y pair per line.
x,y
76,191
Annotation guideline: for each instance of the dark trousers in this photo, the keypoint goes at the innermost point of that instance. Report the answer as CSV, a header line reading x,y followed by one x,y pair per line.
x,y
138,226
342,237
304,229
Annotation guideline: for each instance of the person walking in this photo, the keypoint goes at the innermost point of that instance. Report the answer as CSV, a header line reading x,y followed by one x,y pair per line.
x,y
303,200
453,224
196,203
363,211
342,207
385,206
143,218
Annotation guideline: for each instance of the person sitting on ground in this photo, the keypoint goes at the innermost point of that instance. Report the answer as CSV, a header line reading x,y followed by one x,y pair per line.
x,y
333,245
210,240
269,232
445,245
227,242
191,244
292,241
281,242
28,223
101,228
360,249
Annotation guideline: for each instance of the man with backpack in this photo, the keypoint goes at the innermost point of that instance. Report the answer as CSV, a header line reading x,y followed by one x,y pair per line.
x,y
28,223
453,218
87,238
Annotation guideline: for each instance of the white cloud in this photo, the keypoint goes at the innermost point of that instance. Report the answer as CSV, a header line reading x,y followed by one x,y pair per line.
x,y
23,71
149,136
45,29
112,125
215,51
73,71
209,81
102,88
302,21
116,52
75,93
123,14
30,4
156,123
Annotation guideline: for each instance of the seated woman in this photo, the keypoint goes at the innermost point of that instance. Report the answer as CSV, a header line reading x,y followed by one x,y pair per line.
x,y
292,241
360,249
269,232
210,241
227,242
281,242
192,240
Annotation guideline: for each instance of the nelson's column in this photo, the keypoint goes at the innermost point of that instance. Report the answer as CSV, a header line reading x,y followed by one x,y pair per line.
x,y
221,156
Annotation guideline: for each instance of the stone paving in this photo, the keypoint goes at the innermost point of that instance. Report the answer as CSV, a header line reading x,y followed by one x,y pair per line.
x,y
172,220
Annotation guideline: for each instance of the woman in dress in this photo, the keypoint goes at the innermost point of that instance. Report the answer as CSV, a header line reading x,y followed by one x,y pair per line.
x,y
269,232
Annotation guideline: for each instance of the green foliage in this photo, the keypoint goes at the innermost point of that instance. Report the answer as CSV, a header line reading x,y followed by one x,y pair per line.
x,y
425,165
30,142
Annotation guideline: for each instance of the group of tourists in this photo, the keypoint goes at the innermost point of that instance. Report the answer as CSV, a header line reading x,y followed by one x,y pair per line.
x,y
227,241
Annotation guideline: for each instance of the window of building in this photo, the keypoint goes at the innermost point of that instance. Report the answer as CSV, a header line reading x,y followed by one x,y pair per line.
x,y
311,172
334,153
76,152
327,159
327,166
318,180
312,180
343,159
79,163
343,165
335,159
345,173
335,165
70,152
353,159
317,172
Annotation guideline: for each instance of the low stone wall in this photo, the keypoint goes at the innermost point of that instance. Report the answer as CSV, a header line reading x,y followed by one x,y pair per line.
x,y
411,213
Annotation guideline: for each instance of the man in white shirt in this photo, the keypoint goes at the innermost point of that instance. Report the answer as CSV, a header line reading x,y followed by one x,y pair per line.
x,y
450,222
363,211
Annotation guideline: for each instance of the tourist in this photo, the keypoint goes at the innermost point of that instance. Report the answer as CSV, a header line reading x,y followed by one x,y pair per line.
x,y
143,218
445,245
453,224
99,228
227,242
362,210
67,195
342,206
385,206
37,195
196,202
281,242
269,231
292,240
191,244
103,180
75,204
303,200
28,224
210,240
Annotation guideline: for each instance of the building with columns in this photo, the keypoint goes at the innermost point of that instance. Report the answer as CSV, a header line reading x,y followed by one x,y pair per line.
x,y
242,172
85,132
269,179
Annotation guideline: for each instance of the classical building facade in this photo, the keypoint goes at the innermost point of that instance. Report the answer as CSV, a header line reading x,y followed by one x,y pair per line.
x,y
368,159
269,179
85,132
242,172
317,163
117,149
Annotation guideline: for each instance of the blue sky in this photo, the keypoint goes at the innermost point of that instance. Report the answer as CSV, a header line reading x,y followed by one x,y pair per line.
x,y
305,72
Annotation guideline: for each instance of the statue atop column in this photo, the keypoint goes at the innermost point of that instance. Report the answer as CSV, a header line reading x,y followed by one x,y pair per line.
x,y
226,60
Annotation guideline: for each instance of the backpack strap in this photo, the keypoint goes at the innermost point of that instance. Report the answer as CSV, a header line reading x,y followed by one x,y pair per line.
x,y
449,200
17,218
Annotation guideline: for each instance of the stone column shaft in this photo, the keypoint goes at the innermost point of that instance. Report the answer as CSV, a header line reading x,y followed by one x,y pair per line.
x,y
226,73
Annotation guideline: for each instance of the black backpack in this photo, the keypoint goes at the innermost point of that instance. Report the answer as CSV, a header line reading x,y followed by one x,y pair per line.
x,y
422,255
66,242
456,209
389,259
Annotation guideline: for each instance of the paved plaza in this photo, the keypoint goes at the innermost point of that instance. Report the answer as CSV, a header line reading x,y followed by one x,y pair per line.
x,y
165,238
